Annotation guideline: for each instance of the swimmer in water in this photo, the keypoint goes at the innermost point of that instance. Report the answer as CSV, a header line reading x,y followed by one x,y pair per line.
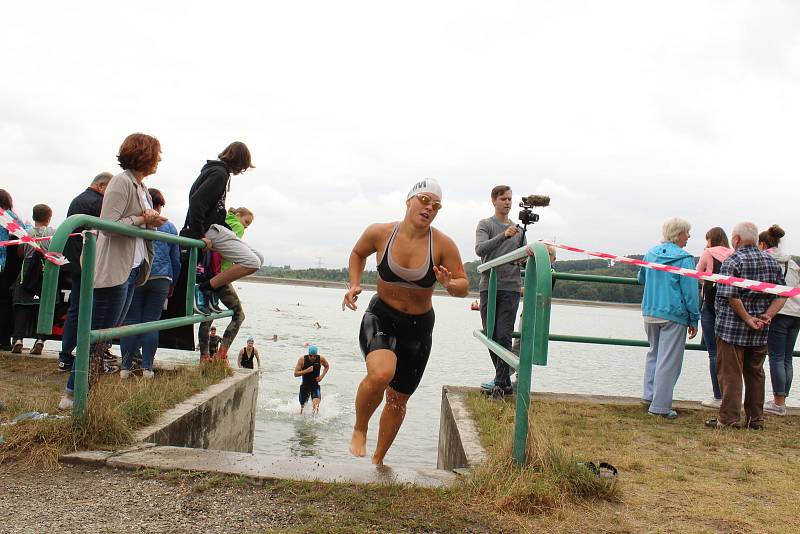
x,y
308,367
396,329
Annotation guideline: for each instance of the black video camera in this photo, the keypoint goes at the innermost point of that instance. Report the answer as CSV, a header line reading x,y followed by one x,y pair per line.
x,y
527,216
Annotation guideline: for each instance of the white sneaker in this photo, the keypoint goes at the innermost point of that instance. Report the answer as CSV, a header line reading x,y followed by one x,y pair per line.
x,y
711,403
147,373
65,403
124,373
774,409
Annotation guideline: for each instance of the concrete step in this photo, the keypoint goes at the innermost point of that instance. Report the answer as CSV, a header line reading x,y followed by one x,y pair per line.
x,y
261,466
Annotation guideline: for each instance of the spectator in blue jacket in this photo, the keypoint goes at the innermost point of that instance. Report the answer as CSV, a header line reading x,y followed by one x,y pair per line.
x,y
670,307
148,300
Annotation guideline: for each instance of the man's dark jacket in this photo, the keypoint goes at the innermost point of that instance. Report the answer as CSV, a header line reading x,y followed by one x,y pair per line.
x,y
90,202
207,200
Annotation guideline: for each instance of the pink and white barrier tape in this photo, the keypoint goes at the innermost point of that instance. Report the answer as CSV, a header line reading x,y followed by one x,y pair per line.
x,y
20,241
753,285
13,227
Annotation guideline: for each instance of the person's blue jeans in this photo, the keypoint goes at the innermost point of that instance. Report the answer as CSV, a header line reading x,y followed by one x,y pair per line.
x,y
69,337
782,336
663,364
707,318
507,303
146,306
109,308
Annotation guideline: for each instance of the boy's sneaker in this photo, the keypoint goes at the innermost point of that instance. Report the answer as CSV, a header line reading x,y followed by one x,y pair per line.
x,y
37,347
200,302
125,373
489,385
64,366
16,348
108,355
713,402
774,409
65,403
147,373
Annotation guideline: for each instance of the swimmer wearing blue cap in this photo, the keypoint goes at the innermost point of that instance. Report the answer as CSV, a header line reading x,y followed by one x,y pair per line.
x,y
396,329
312,368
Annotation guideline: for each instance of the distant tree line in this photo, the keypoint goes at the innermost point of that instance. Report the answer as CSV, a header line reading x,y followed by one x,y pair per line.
x,y
563,289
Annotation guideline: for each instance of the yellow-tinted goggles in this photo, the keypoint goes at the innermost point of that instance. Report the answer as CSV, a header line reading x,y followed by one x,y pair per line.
x,y
425,199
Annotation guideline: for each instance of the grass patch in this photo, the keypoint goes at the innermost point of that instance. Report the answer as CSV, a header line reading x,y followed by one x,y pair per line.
x,y
551,476
116,409
675,476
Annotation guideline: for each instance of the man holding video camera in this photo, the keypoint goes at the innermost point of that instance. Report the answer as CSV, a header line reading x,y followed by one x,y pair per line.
x,y
494,237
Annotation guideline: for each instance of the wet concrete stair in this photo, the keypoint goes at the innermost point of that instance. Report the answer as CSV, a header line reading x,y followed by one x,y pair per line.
x,y
260,466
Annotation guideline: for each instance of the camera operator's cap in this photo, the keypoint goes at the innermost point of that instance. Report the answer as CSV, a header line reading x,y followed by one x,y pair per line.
x,y
428,185
312,350
250,338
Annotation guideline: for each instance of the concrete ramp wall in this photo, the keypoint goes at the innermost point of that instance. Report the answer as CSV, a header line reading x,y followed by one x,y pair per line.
x,y
221,417
459,441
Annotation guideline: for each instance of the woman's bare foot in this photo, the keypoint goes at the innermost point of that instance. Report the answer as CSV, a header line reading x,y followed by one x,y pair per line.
x,y
358,443
377,461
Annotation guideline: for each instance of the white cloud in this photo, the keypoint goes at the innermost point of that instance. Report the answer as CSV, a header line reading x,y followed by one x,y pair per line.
x,y
626,113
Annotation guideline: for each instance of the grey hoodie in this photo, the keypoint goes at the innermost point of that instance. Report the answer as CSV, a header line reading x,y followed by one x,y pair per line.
x,y
792,275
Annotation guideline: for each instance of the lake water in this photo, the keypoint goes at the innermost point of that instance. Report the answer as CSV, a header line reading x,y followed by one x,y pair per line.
x,y
457,358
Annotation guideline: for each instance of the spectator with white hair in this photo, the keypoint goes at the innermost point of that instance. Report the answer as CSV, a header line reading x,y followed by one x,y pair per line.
x,y
742,327
670,307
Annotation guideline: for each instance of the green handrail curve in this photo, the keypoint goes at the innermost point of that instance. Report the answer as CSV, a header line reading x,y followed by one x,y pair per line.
x,y
535,326
87,336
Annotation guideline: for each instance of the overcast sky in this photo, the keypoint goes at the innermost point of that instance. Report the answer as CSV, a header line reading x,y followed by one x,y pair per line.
x,y
625,113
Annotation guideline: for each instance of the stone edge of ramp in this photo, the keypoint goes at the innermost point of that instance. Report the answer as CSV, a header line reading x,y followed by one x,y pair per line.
x,y
258,466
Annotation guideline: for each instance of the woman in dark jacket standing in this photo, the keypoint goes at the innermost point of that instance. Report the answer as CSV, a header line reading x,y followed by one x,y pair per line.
x,y
205,220
148,300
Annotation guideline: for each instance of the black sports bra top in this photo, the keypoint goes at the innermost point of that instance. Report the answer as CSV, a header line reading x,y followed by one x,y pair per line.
x,y
397,275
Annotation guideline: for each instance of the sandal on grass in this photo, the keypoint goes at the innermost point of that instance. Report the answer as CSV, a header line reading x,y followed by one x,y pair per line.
x,y
714,423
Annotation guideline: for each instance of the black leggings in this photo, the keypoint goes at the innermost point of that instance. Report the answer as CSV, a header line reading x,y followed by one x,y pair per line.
x,y
407,336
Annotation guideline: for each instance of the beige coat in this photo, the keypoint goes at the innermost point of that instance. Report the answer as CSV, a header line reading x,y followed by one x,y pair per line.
x,y
121,203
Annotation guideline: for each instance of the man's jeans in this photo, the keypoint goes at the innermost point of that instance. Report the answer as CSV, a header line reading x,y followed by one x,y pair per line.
x,y
663,364
108,310
707,318
735,363
146,306
69,337
507,303
782,336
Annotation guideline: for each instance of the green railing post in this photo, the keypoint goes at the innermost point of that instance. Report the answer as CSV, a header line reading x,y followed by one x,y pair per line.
x,y
533,342
81,383
191,275
491,304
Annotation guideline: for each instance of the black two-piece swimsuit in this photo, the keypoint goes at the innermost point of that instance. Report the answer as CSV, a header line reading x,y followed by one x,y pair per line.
x,y
407,336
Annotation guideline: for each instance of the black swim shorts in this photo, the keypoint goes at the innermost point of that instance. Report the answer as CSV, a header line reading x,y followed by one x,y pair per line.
x,y
313,392
408,336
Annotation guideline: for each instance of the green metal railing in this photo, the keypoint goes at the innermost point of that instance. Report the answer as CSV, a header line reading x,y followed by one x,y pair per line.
x,y
535,331
87,336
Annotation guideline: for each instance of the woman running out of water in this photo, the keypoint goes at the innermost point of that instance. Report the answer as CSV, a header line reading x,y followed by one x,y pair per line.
x,y
396,328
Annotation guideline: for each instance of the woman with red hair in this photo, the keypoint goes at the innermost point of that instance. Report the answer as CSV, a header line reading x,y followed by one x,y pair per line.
x,y
123,262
